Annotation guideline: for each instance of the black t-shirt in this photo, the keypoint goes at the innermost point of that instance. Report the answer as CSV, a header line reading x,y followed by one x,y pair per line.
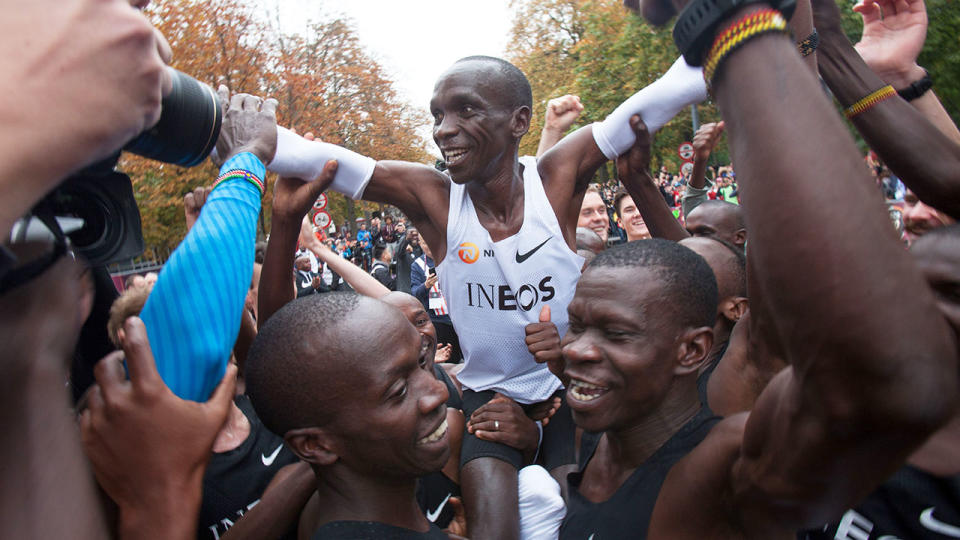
x,y
910,504
433,497
372,530
627,513
235,480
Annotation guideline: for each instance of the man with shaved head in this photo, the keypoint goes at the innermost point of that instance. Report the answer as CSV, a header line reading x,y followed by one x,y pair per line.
x,y
718,219
365,411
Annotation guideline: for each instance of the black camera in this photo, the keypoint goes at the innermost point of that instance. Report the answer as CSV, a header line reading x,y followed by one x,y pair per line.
x,y
102,197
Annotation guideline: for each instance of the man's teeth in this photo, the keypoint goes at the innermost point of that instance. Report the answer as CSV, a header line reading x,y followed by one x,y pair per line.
x,y
435,436
454,155
584,391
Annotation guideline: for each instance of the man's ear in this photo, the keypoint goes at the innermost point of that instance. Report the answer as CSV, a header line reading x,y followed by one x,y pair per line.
x,y
520,124
313,445
734,307
740,238
694,347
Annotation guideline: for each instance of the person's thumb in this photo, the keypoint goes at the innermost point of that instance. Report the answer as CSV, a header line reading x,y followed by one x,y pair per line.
x,y
545,313
219,403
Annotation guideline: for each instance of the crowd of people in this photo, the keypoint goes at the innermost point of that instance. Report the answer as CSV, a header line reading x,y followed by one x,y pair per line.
x,y
510,350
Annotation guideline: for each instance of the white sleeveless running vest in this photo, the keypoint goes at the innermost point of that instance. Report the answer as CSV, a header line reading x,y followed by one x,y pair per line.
x,y
494,289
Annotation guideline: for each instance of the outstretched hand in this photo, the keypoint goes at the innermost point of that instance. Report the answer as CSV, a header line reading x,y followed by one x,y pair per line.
x,y
148,447
503,421
249,125
637,159
893,35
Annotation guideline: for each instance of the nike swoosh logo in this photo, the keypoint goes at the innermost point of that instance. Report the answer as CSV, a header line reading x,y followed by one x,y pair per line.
x,y
931,523
525,256
268,460
432,516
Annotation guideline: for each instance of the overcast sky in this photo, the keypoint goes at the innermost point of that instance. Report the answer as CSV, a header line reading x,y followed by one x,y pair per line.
x,y
414,40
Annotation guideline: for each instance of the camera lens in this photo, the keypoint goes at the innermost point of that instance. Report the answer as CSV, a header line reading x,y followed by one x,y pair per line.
x,y
188,128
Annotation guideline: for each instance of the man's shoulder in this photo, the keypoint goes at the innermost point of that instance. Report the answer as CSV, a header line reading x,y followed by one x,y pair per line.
x,y
697,497
373,530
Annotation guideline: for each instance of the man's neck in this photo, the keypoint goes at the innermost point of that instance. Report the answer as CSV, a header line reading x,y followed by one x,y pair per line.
x,y
234,431
347,496
630,447
495,195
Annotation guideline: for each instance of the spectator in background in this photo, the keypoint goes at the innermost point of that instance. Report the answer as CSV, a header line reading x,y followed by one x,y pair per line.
x,y
388,233
407,252
630,218
134,281
365,245
593,213
423,285
306,281
381,266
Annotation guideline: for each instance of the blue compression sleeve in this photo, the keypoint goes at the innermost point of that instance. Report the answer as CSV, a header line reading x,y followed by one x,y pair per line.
x,y
193,313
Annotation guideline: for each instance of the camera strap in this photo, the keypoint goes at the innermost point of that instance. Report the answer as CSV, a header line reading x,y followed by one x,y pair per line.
x,y
19,275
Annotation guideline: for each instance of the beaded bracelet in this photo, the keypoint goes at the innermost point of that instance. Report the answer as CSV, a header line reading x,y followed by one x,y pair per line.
x,y
750,26
869,100
240,173
809,45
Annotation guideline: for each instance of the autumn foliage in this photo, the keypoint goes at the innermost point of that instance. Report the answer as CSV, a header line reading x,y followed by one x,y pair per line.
x,y
324,80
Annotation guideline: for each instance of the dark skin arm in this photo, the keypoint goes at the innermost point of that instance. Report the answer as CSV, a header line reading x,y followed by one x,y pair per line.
x,y
279,507
704,141
812,424
50,492
900,134
292,200
633,168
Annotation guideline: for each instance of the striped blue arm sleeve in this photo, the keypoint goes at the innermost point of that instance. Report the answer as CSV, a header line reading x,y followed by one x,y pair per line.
x,y
193,313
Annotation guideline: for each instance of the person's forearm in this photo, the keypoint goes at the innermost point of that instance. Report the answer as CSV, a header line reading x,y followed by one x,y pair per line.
x,y
248,332
548,139
48,490
193,313
698,177
275,290
361,281
279,507
930,107
899,133
692,198
653,207
174,517
801,24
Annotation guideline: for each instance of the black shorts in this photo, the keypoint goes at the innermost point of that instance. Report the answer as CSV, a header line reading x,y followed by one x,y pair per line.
x,y
556,449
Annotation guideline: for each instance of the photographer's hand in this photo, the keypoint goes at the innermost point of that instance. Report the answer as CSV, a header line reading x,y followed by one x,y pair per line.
x,y
249,125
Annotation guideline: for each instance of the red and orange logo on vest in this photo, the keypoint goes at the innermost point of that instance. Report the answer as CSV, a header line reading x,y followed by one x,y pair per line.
x,y
468,252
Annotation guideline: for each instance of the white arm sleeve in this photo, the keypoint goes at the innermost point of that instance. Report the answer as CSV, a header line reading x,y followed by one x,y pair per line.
x,y
300,158
679,87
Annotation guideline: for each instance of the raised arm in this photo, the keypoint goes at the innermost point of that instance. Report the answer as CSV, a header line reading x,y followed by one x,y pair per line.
x,y
633,168
567,168
561,113
704,141
292,200
903,134
850,406
361,281
192,315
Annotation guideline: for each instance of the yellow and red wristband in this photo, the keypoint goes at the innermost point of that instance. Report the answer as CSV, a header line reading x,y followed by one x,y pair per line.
x,y
241,174
750,26
869,101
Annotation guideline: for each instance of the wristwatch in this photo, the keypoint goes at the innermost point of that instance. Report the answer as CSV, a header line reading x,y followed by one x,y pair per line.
x,y
917,88
698,23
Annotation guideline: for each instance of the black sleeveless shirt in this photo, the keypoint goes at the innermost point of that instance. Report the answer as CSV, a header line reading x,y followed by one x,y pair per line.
x,y
627,513
910,504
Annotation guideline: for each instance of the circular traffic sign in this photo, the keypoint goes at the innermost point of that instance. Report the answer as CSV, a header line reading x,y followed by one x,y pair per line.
x,y
321,219
321,202
687,168
685,150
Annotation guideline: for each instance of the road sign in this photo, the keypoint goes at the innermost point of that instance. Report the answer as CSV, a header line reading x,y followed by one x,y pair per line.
x,y
685,150
321,219
687,168
321,202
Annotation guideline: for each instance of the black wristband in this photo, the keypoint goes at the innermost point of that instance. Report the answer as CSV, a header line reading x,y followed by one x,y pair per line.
x,y
697,23
917,88
809,45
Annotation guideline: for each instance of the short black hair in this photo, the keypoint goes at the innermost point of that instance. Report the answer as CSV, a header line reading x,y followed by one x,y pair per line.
x,y
285,359
520,95
737,266
688,281
378,250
